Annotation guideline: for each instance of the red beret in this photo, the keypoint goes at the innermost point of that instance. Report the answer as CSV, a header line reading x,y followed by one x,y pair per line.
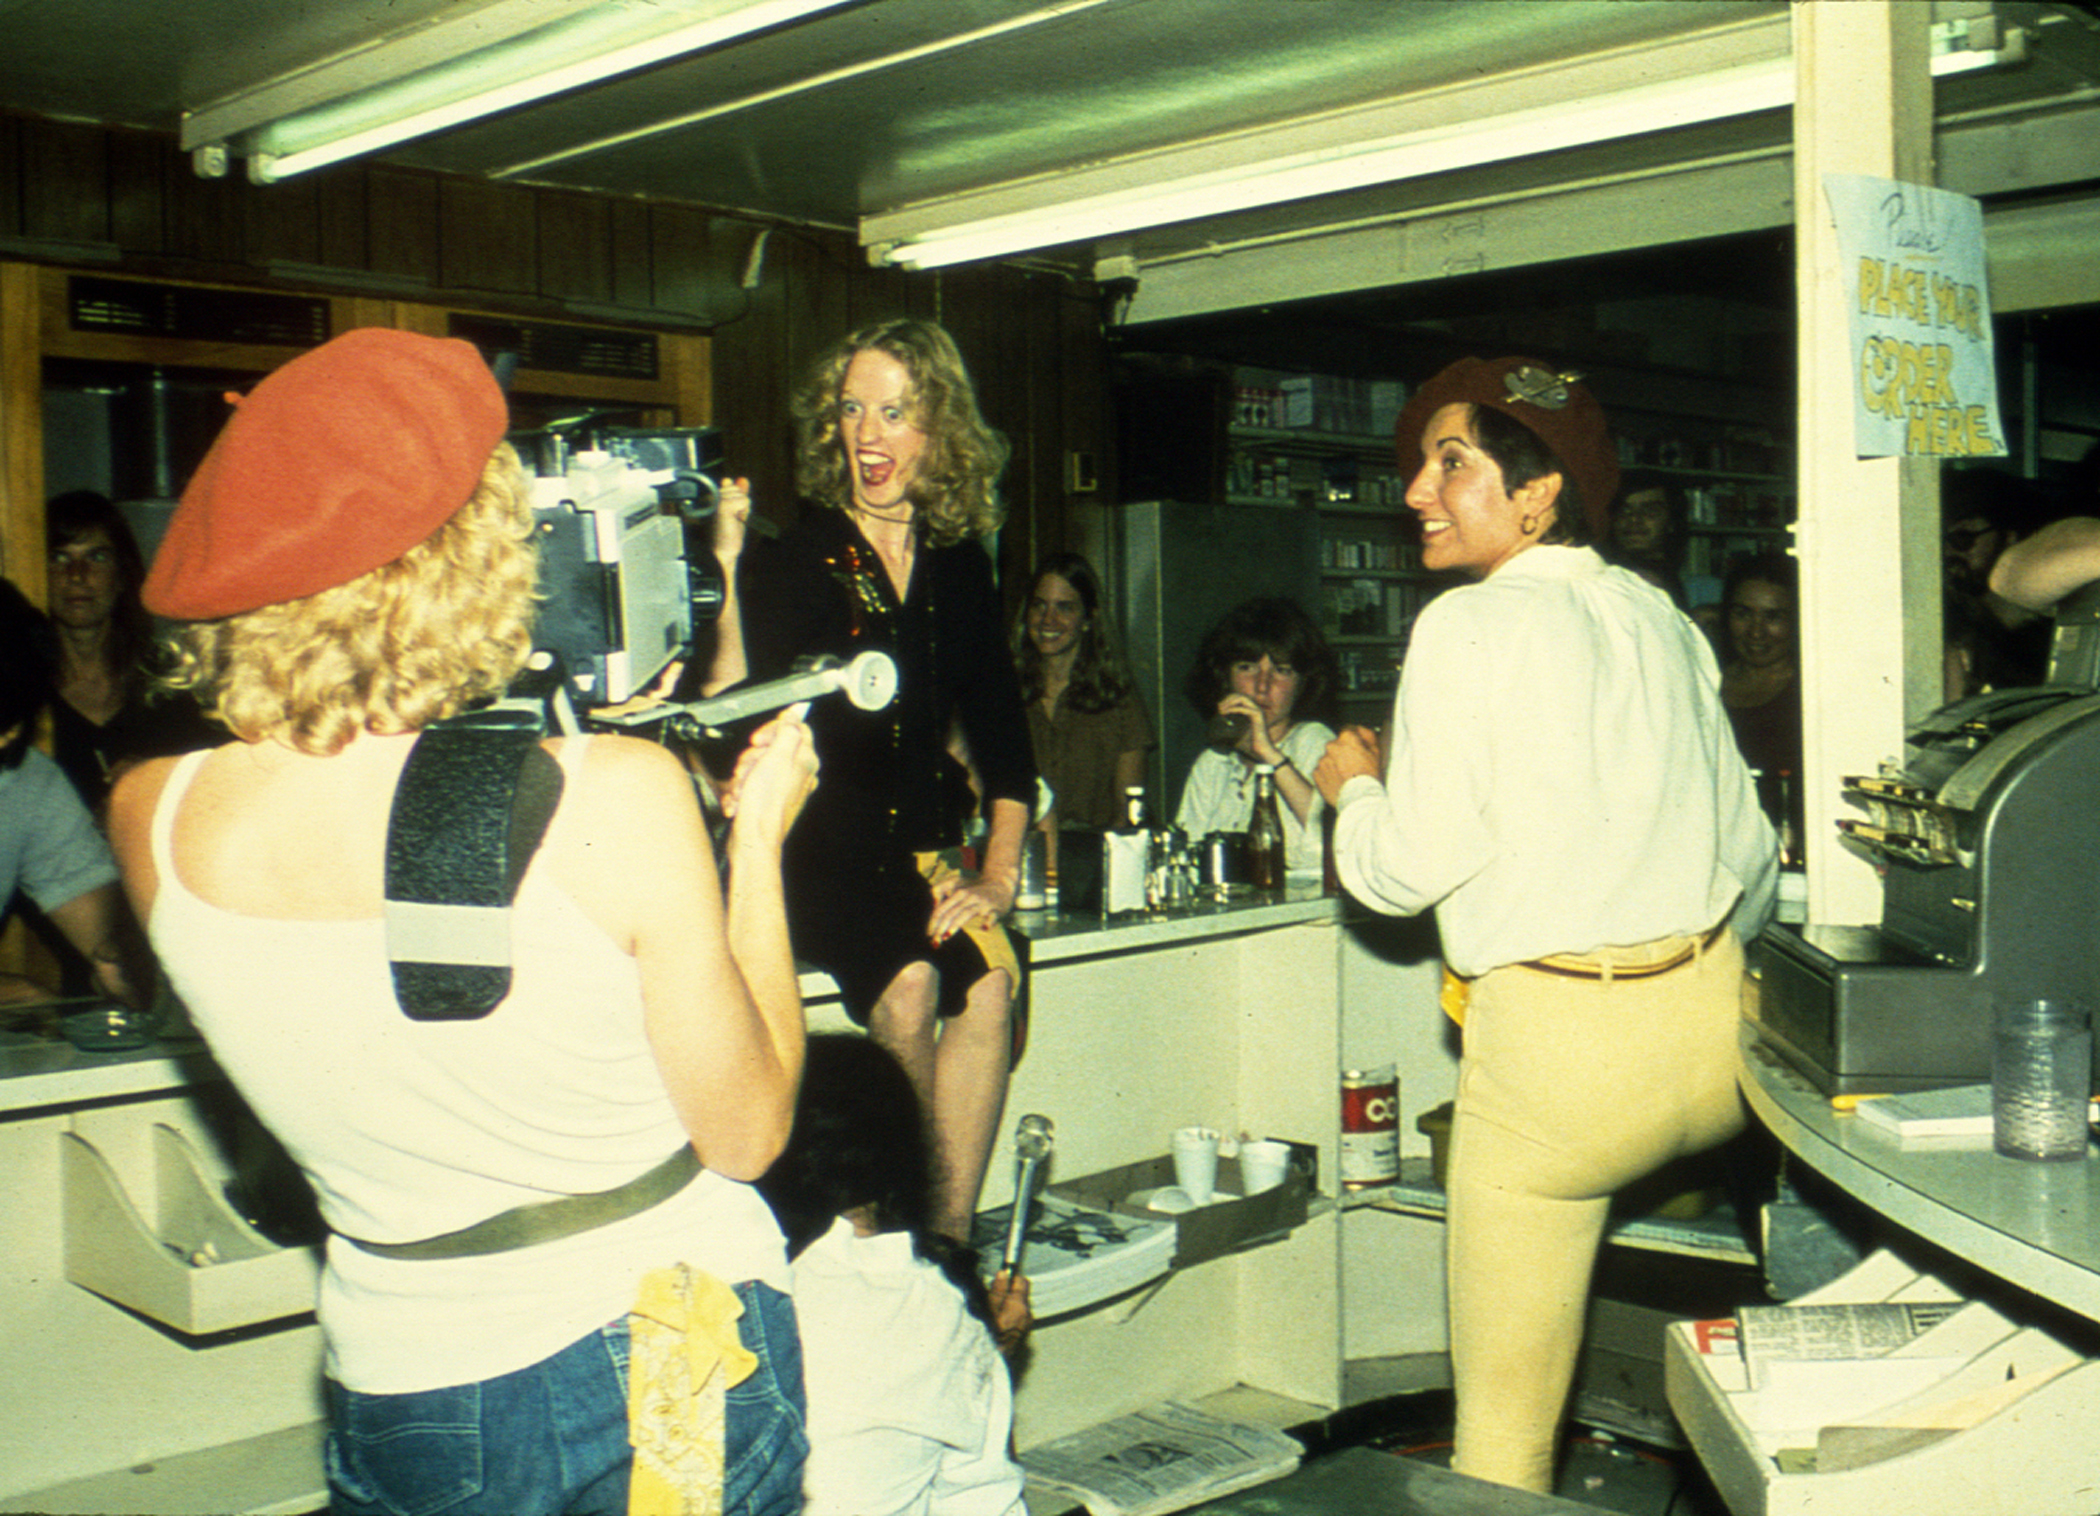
x,y
1552,406
340,461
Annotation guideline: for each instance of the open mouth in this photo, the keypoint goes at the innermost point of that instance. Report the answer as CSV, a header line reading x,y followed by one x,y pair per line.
x,y
875,470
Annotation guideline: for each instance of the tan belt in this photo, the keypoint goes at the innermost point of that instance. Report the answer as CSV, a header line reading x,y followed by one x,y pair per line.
x,y
1597,966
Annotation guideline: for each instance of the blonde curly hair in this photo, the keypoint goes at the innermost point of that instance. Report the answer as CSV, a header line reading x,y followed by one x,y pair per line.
x,y
954,494
411,642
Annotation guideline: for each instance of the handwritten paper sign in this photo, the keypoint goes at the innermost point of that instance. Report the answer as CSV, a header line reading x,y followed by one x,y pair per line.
x,y
1920,314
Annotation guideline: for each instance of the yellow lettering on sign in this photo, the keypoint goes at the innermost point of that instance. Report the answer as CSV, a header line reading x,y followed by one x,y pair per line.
x,y
1898,376
1948,431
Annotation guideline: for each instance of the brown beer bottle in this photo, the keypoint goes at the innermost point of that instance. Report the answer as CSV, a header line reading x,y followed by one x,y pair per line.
x,y
1265,865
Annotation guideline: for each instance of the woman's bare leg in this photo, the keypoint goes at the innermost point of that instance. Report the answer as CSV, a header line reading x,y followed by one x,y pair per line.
x,y
972,1065
960,1071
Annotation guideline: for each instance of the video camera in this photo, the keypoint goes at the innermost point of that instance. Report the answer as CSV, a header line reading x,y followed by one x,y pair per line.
x,y
623,577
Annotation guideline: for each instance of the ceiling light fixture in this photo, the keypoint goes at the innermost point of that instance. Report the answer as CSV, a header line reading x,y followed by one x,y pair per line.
x,y
913,238
451,72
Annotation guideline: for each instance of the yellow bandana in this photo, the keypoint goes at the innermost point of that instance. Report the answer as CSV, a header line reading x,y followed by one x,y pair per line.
x,y
683,1356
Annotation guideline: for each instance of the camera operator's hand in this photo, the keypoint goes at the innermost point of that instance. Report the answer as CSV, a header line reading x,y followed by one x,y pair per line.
x,y
773,777
658,692
732,520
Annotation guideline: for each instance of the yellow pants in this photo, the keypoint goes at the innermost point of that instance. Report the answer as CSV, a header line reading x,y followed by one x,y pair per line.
x,y
1570,1088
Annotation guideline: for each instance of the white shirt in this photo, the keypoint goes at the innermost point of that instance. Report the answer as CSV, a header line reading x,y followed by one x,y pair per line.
x,y
910,1406
1562,775
1219,796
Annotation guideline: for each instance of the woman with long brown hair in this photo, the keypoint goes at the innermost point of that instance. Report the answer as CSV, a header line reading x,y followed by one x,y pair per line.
x,y
1088,725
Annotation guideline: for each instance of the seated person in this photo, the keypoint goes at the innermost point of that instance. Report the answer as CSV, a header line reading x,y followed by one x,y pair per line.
x,y
1648,532
49,847
107,714
910,1408
1267,661
1088,726
1760,678
1995,641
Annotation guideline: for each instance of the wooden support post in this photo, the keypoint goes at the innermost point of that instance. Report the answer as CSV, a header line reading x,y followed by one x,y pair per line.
x,y
1868,534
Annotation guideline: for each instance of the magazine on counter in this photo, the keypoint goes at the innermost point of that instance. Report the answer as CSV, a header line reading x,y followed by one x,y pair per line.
x,y
1075,1256
1165,1458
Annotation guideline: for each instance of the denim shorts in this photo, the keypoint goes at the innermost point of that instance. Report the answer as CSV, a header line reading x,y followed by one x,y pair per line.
x,y
551,1439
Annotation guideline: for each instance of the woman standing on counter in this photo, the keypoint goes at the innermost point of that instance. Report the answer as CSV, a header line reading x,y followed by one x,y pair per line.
x,y
355,560
1088,727
1266,663
894,452
1563,788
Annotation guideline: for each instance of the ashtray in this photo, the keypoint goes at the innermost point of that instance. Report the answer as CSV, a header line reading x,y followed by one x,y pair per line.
x,y
110,1028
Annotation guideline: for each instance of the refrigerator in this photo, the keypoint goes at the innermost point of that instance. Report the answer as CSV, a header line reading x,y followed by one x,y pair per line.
x,y
1173,569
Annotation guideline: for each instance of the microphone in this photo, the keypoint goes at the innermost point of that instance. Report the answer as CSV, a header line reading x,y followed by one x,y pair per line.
x,y
869,682
1033,1140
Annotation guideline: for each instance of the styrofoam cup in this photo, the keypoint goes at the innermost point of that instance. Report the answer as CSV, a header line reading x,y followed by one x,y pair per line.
x,y
1195,1151
1263,1164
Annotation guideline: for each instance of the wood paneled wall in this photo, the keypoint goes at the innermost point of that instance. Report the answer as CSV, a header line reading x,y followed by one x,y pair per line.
x,y
127,202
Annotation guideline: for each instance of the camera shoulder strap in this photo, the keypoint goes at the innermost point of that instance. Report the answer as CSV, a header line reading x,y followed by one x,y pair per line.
x,y
471,808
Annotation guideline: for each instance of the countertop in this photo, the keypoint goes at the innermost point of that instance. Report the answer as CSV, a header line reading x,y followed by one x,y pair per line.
x,y
39,1072
1057,938
2035,1225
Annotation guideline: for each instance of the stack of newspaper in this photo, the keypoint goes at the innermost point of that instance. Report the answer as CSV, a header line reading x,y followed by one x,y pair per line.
x,y
1075,1256
1166,1458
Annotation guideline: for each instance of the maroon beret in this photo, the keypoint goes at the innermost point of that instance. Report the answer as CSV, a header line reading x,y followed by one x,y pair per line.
x,y
1551,405
340,461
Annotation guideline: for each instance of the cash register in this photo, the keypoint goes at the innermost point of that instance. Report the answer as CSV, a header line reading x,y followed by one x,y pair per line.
x,y
1988,839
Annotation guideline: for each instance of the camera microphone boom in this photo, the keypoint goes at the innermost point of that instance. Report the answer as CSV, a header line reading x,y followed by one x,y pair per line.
x,y
869,682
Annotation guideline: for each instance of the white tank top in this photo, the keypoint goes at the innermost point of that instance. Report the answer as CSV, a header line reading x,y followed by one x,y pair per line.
x,y
411,1129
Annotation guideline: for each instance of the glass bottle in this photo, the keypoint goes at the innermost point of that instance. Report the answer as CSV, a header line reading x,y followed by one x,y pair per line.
x,y
1265,842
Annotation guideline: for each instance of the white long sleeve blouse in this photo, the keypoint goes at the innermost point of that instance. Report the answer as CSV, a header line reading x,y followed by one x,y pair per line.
x,y
1562,775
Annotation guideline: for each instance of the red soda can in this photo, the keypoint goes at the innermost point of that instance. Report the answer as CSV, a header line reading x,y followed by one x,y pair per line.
x,y
1370,1152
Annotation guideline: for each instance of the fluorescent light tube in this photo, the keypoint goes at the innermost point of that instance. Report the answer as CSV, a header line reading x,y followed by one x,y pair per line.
x,y
599,42
1766,84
